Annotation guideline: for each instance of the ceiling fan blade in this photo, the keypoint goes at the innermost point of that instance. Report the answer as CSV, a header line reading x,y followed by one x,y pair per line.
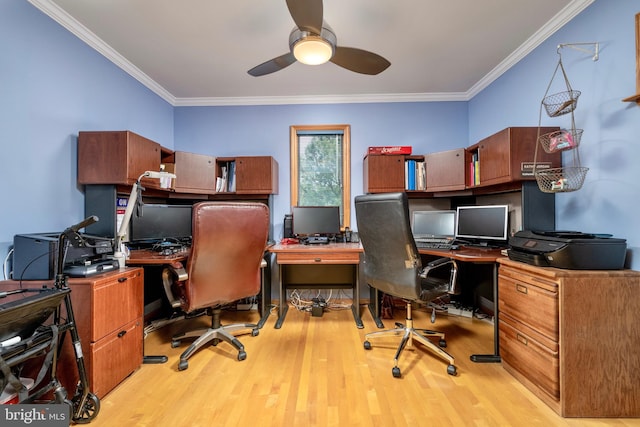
x,y
360,61
307,14
273,65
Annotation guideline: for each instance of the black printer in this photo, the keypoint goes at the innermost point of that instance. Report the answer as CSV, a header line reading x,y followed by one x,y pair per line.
x,y
568,249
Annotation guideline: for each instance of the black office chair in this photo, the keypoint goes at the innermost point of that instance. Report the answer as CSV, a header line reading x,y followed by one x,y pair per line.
x,y
392,265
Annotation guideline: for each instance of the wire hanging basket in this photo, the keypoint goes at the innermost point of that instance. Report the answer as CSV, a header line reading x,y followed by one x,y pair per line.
x,y
561,180
560,140
567,178
561,103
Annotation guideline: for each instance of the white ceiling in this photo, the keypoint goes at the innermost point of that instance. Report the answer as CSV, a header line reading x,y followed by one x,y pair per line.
x,y
197,52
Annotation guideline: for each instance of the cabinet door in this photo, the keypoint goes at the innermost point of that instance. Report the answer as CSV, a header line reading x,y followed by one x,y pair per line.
x,y
383,174
115,157
445,170
256,175
494,154
195,173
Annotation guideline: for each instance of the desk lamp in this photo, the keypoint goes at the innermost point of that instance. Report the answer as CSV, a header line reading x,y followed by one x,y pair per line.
x,y
165,180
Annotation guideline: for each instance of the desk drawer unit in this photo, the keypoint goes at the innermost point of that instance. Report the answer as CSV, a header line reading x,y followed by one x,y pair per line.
x,y
108,309
115,356
537,359
529,300
571,337
319,257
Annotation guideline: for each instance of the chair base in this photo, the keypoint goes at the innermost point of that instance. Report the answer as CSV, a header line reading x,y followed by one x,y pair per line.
x,y
409,333
213,335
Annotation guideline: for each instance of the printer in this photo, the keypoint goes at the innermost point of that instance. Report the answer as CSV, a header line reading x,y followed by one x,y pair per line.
x,y
35,256
568,249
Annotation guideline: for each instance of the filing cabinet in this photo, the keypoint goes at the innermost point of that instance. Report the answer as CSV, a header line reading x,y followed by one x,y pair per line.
x,y
570,336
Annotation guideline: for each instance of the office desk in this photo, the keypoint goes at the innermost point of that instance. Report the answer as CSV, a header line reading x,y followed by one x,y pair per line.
x,y
319,254
478,256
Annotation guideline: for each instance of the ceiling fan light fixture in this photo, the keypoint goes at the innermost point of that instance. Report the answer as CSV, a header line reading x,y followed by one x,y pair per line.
x,y
313,50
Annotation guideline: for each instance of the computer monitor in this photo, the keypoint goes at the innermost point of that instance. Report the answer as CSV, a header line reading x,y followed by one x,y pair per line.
x,y
316,220
427,224
159,222
483,224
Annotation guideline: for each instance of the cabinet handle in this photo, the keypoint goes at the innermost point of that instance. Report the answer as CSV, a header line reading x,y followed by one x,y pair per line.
x,y
522,339
522,289
121,334
122,279
318,259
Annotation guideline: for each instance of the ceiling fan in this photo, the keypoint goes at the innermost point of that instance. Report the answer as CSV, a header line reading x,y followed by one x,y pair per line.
x,y
313,42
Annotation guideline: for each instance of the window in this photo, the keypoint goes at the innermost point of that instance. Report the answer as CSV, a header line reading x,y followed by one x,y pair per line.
x,y
321,167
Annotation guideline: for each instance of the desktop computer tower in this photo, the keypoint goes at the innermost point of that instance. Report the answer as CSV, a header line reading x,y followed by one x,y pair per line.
x,y
288,226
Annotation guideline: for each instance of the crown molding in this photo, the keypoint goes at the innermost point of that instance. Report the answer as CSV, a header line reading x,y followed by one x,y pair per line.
x,y
565,15
67,21
83,33
321,99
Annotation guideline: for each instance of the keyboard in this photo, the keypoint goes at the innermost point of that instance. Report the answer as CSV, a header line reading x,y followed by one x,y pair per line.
x,y
434,243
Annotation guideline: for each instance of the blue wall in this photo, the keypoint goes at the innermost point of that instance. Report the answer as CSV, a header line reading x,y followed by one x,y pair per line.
x,y
610,147
224,131
53,86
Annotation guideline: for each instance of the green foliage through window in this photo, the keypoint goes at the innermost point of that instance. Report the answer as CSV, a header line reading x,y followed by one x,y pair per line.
x,y
320,170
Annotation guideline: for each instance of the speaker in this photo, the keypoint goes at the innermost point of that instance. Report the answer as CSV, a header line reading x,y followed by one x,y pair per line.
x,y
288,226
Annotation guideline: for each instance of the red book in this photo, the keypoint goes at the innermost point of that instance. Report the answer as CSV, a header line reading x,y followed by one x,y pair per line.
x,y
396,149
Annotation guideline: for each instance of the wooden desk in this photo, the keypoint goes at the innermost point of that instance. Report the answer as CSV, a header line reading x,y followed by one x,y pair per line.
x,y
331,254
478,256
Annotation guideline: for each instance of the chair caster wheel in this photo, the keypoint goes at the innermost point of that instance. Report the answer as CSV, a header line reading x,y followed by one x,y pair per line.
x,y
183,365
442,343
451,370
367,345
242,355
255,332
396,372
175,344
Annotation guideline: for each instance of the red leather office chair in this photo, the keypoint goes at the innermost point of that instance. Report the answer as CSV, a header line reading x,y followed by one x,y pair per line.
x,y
229,239
392,265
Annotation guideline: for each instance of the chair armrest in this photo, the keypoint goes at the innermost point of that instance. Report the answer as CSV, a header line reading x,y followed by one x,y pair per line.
x,y
444,262
172,273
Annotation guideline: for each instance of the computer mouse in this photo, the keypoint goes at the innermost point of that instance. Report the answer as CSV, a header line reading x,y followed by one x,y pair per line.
x,y
455,247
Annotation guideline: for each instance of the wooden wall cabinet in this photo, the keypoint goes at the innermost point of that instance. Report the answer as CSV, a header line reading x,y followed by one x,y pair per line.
x,y
253,174
109,316
571,337
116,157
501,156
445,170
385,173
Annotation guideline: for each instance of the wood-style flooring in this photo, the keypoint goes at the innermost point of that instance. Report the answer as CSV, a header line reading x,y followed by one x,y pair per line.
x,y
314,371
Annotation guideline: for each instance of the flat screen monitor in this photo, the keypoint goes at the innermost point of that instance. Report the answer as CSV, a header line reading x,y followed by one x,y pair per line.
x,y
316,220
159,222
482,223
433,224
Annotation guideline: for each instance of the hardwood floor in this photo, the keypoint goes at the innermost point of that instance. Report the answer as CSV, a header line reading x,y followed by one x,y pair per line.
x,y
315,372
